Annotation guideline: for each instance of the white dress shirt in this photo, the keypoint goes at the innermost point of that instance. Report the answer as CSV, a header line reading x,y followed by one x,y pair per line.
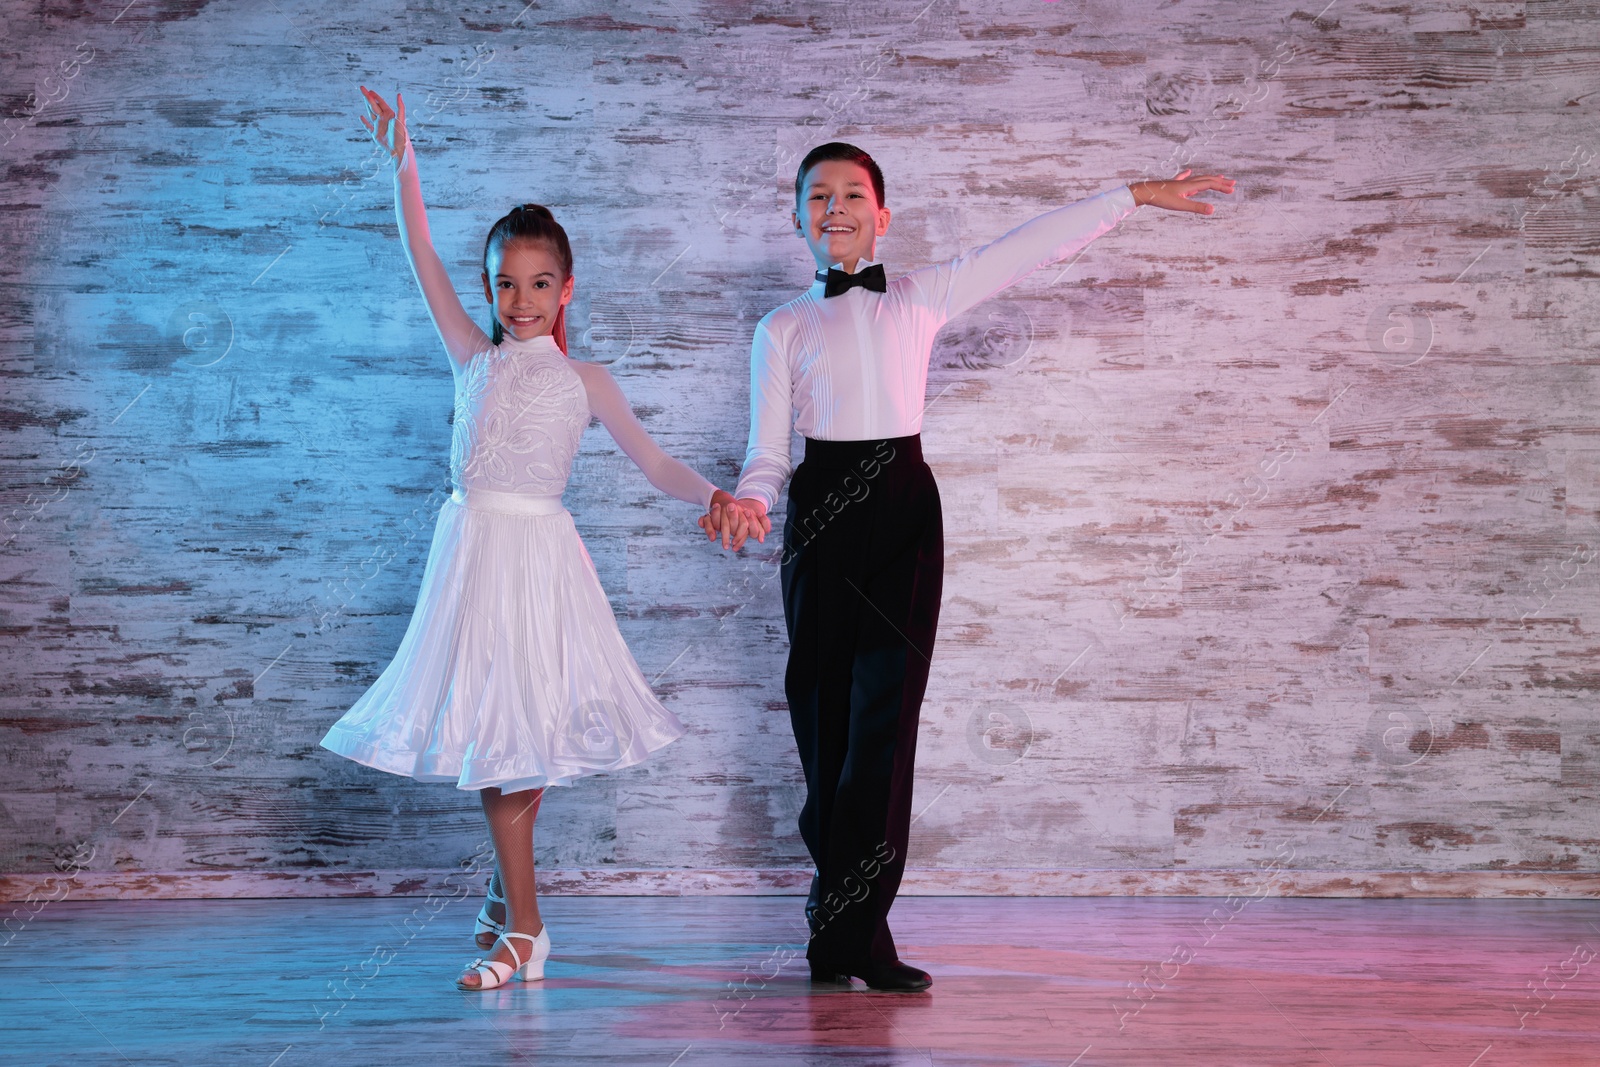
x,y
854,367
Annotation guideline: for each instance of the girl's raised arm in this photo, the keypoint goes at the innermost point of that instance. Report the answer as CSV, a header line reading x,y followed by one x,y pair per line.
x,y
461,336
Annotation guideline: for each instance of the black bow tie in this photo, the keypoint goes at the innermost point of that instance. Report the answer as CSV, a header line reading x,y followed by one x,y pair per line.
x,y
837,281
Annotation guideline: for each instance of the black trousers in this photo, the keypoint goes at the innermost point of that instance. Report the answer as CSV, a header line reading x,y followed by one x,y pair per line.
x,y
863,566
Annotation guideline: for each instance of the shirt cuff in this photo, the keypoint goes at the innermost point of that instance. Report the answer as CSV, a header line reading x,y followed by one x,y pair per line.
x,y
745,490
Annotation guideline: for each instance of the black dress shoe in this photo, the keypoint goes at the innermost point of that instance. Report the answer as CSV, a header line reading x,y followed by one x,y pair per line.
x,y
895,977
829,975
811,904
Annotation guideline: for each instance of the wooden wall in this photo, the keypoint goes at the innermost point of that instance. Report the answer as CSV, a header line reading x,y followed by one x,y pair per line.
x,y
1271,535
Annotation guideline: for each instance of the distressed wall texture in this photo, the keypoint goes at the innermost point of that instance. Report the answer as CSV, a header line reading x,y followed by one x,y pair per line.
x,y
1271,535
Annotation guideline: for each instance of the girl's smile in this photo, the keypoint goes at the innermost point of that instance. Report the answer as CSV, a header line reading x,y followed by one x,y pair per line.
x,y
527,288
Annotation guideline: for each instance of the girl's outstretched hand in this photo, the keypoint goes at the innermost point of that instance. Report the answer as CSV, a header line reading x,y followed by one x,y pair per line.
x,y
1174,195
386,127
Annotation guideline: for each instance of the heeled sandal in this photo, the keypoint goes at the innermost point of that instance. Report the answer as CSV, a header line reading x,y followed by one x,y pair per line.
x,y
486,925
492,974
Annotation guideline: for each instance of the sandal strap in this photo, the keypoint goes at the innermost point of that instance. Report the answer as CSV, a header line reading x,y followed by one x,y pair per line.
x,y
486,969
532,939
486,924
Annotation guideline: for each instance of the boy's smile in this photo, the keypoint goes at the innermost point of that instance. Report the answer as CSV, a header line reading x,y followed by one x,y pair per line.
x,y
838,214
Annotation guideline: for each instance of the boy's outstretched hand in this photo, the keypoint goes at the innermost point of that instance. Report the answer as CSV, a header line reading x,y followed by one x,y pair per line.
x,y
1174,195
735,520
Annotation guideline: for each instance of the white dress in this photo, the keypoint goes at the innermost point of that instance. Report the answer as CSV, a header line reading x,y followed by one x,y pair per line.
x,y
512,672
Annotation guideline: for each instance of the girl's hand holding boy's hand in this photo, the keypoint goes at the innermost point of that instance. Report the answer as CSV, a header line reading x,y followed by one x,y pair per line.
x,y
1174,195
723,519
387,127
734,520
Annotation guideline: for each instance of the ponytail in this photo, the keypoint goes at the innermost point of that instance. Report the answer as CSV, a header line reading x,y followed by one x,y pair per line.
x,y
531,222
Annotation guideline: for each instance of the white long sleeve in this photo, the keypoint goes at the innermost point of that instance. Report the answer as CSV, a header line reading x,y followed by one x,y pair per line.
x,y
608,404
461,336
973,277
854,367
767,463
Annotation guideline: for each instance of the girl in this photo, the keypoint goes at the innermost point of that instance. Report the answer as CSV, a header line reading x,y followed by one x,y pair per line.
x,y
512,675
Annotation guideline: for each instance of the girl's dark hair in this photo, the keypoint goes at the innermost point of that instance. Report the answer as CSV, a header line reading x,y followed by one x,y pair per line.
x,y
849,153
530,222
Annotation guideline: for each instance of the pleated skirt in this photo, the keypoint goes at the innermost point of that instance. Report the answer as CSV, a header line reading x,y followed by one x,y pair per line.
x,y
512,672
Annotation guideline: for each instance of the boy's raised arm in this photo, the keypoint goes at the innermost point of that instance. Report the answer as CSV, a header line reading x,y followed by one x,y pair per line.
x,y
953,287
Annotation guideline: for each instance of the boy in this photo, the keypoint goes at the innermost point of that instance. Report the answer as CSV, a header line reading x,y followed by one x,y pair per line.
x,y
863,539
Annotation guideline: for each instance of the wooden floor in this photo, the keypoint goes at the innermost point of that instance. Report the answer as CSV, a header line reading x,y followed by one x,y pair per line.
x,y
678,982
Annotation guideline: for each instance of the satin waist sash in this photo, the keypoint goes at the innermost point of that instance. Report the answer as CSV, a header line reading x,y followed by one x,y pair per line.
x,y
507,503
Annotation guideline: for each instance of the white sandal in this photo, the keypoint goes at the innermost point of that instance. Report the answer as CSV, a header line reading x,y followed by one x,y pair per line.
x,y
492,974
485,924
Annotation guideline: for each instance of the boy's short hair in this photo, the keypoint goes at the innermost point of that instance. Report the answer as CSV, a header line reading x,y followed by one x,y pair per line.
x,y
849,153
